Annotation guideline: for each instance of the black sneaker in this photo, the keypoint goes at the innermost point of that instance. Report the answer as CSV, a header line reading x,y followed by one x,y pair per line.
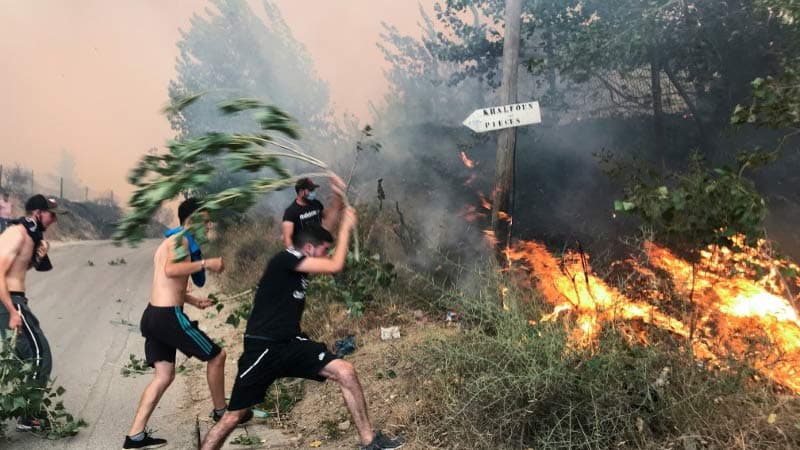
x,y
382,442
29,424
246,418
147,442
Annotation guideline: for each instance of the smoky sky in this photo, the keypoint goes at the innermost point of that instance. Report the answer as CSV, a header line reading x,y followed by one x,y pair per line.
x,y
90,76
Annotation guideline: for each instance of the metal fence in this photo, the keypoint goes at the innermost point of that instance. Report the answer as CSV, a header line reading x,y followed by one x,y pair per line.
x,y
26,182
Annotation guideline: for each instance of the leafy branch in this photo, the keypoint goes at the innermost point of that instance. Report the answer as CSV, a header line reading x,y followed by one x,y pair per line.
x,y
191,164
21,396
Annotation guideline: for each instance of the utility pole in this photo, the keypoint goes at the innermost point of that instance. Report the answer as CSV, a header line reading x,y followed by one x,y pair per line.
x,y
507,138
31,181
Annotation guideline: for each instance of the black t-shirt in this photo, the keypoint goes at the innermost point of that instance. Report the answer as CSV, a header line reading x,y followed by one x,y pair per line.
x,y
301,216
280,298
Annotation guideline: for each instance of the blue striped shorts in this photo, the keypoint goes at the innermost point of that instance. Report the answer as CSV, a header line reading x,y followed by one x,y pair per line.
x,y
167,329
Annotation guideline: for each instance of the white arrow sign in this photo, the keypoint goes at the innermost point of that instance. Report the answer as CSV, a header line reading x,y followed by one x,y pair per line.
x,y
499,117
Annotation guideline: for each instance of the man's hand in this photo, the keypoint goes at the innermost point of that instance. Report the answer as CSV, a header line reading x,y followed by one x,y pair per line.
x,y
215,264
41,252
15,322
349,219
202,303
337,186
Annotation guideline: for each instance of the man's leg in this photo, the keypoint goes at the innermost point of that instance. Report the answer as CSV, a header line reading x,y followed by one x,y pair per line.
x,y
165,373
217,434
34,346
215,374
343,373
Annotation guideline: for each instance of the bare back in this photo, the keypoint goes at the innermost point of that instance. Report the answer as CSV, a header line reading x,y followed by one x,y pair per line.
x,y
167,291
17,245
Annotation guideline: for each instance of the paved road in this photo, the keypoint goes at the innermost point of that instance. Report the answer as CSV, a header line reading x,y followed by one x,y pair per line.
x,y
83,310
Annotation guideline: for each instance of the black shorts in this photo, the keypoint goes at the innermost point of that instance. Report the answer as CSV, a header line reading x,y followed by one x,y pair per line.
x,y
262,363
167,328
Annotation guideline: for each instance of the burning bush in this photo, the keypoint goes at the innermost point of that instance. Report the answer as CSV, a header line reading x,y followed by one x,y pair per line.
x,y
509,382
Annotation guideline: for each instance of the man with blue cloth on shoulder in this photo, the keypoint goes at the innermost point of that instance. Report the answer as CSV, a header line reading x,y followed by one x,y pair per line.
x,y
166,328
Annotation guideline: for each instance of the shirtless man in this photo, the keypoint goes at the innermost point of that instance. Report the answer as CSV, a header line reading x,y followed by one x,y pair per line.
x,y
166,328
22,246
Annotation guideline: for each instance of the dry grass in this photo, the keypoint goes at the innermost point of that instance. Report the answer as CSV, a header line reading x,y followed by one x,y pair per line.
x,y
497,382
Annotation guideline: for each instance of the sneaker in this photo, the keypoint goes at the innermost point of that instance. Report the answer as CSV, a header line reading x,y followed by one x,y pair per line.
x,y
382,442
29,424
246,418
147,442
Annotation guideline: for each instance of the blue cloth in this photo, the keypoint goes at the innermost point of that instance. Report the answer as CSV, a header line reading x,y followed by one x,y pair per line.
x,y
198,278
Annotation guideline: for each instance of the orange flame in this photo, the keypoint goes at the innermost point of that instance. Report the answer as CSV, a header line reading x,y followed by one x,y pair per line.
x,y
467,162
729,311
485,204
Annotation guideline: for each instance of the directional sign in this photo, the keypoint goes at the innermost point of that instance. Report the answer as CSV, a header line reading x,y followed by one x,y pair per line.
x,y
499,117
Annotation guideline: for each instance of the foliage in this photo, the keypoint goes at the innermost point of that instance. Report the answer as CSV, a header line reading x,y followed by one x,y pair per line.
x,y
359,283
699,207
21,396
282,396
241,313
191,164
776,102
246,439
135,366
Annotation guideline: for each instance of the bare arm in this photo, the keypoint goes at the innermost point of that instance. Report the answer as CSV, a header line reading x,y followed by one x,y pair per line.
x,y
197,302
183,267
10,245
331,215
336,262
287,228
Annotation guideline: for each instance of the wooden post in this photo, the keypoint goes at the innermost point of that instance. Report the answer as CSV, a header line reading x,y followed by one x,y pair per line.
x,y
61,190
86,195
1,176
507,138
31,181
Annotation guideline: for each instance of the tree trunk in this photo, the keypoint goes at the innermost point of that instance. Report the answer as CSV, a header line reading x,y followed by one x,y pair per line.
x,y
507,138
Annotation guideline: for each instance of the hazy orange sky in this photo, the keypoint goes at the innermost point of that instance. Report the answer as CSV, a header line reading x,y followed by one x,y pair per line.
x,y
90,76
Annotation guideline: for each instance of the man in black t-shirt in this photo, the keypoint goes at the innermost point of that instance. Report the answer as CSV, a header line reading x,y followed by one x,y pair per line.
x,y
306,209
275,347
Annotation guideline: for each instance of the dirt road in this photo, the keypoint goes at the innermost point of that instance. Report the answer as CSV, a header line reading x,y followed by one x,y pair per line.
x,y
90,314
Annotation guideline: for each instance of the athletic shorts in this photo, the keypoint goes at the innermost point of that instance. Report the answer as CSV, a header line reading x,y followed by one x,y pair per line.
x,y
262,363
167,328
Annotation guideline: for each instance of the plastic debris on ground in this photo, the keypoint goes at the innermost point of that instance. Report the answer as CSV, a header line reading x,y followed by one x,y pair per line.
x,y
390,333
345,346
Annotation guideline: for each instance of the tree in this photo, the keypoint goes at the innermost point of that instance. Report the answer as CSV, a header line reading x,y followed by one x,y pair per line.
x,y
629,57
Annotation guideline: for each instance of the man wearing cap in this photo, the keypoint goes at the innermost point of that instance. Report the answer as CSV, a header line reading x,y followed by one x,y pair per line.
x,y
22,247
306,209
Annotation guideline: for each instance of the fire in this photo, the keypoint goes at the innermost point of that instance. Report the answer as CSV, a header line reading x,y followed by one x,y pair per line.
x,y
725,317
736,310
467,162
485,203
